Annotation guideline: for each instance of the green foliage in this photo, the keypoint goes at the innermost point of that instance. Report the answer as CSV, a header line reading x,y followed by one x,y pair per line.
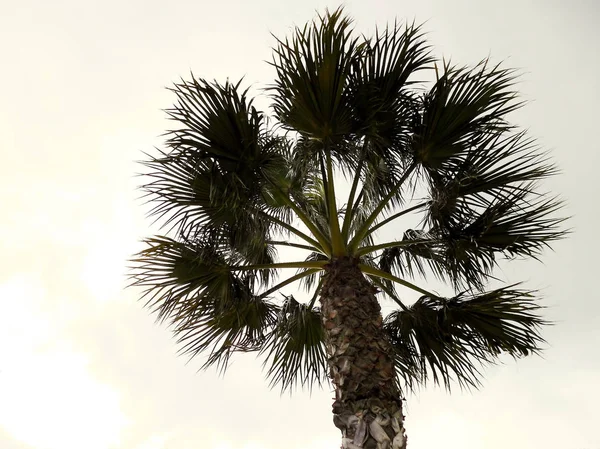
x,y
463,107
313,68
448,339
295,347
230,190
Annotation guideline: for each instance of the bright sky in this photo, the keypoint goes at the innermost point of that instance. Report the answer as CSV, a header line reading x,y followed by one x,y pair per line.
x,y
82,365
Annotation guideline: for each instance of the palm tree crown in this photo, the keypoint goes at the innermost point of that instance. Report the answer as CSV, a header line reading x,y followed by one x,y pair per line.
x,y
232,190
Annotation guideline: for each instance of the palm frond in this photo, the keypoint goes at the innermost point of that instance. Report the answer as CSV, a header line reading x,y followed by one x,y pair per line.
x,y
500,164
467,248
312,200
463,106
213,181
209,304
514,226
384,106
448,340
360,215
219,122
221,125
177,275
379,85
421,253
309,281
417,254
295,349
381,174
242,326
312,71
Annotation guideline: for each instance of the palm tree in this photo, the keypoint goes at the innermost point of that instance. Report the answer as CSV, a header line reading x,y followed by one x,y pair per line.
x,y
232,190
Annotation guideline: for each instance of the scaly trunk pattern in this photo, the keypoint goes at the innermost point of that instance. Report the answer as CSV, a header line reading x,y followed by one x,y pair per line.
x,y
368,405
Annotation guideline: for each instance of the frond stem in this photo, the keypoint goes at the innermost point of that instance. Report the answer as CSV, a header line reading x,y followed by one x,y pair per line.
x,y
371,249
393,217
390,293
318,264
338,247
350,203
364,229
296,245
382,274
316,295
289,281
323,243
358,200
295,231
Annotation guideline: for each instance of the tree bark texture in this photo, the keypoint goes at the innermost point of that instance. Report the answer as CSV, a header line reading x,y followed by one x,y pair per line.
x,y
368,404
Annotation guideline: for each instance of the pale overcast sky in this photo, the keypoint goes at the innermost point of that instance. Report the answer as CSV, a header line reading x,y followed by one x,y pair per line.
x,y
82,364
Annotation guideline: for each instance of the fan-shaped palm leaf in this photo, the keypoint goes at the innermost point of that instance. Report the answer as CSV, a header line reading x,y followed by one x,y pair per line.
x,y
502,163
241,327
383,105
463,106
449,339
295,348
312,71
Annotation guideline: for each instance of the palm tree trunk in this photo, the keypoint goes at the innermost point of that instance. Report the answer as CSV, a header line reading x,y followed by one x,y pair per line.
x,y
368,405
